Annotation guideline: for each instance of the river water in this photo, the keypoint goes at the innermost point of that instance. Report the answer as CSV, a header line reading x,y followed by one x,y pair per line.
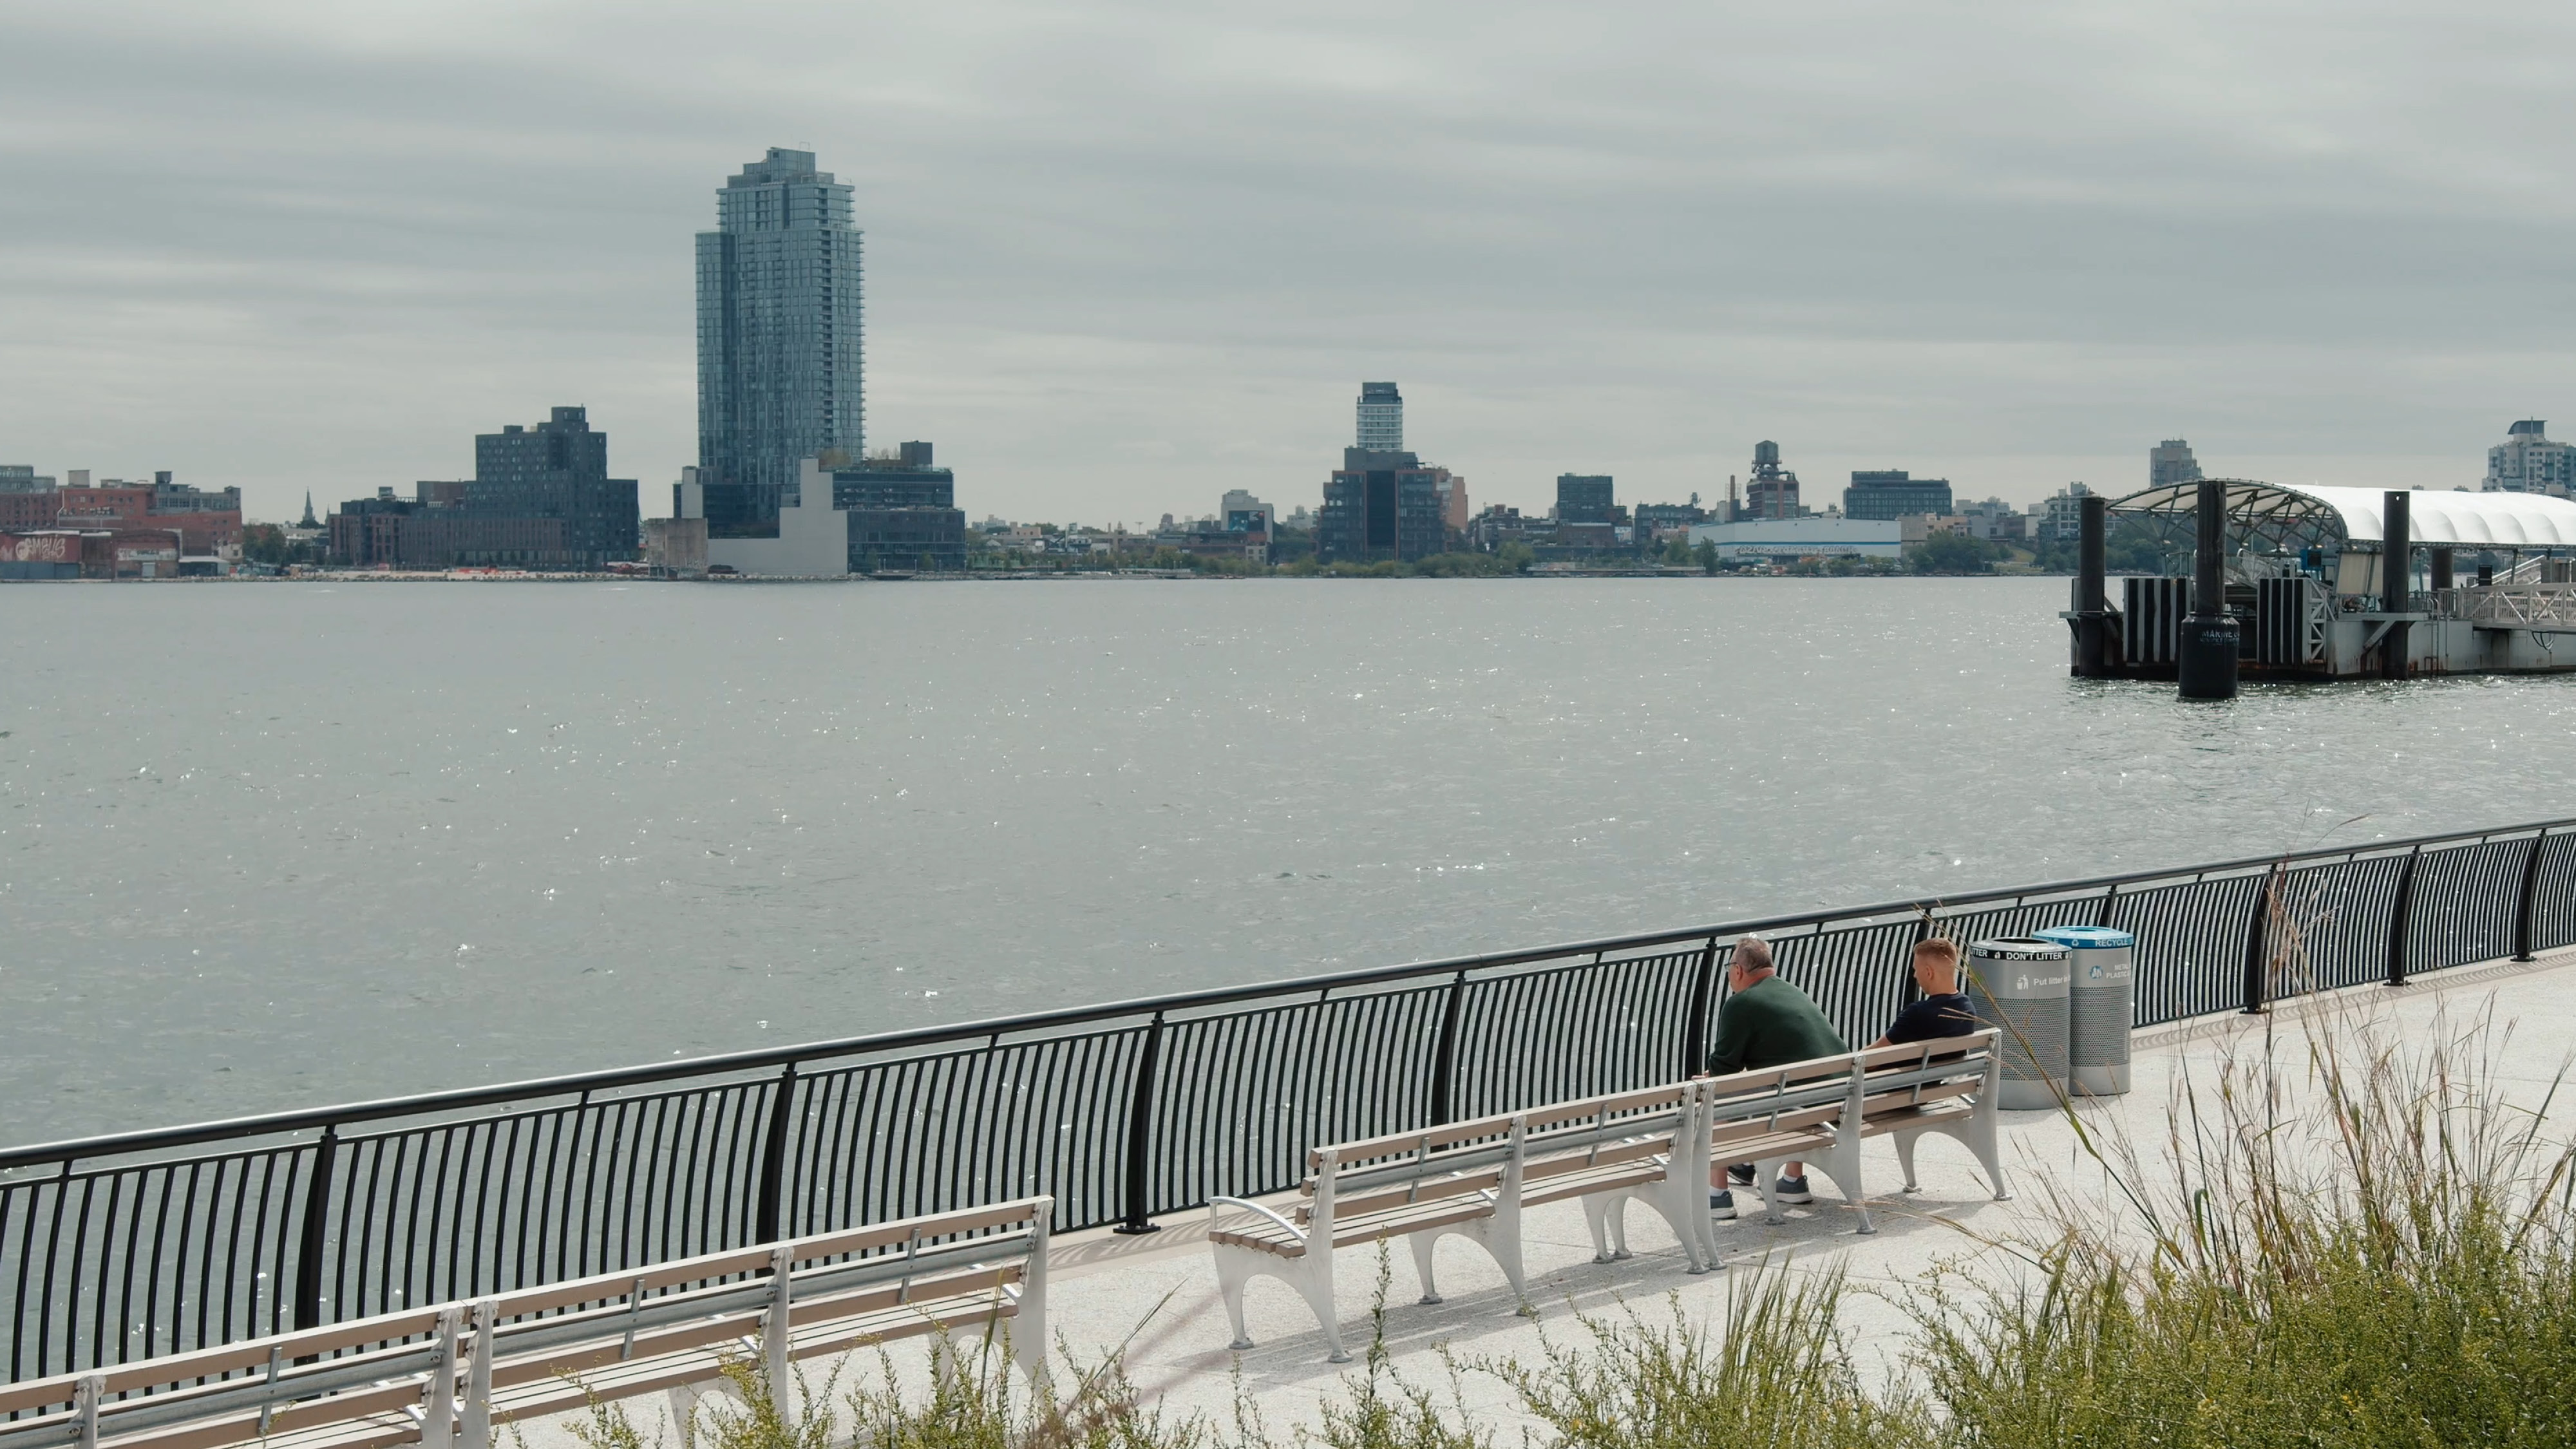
x,y
271,846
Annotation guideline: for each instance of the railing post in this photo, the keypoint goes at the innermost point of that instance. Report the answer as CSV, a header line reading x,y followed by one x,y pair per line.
x,y
766,1227
2110,899
2400,919
1695,1029
2257,937
317,1221
1140,1132
1444,1062
2523,926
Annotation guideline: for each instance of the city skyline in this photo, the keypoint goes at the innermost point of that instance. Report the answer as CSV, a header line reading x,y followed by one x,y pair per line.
x,y
1097,305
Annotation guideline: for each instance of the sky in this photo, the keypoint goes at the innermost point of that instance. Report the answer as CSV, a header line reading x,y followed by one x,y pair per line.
x,y
1123,257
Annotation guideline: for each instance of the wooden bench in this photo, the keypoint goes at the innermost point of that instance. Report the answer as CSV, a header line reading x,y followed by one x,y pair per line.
x,y
444,1374
1472,1180
1820,1111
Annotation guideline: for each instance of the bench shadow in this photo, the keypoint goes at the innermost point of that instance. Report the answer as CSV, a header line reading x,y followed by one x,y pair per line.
x,y
1564,1280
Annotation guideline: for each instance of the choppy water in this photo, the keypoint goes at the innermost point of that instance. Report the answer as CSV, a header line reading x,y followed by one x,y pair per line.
x,y
275,846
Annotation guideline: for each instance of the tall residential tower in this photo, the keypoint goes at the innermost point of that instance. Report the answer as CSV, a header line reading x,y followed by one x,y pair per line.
x,y
1381,418
778,339
2171,462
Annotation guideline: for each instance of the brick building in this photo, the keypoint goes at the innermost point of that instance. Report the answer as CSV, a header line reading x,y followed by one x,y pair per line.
x,y
209,522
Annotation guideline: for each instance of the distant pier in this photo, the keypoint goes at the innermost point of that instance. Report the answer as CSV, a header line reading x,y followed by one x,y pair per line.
x,y
2302,584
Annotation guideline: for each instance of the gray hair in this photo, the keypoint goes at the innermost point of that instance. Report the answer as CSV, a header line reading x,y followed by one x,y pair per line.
x,y
1752,953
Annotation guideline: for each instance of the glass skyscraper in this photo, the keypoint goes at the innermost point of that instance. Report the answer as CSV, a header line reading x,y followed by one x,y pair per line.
x,y
778,339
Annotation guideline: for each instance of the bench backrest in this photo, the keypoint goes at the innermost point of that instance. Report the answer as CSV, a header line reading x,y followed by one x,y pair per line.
x,y
1492,1154
390,1361
1848,1089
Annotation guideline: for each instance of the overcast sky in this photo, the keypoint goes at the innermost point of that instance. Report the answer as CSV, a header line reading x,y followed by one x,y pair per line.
x,y
1121,257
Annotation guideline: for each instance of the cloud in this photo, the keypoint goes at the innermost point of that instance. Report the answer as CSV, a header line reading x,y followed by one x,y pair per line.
x,y
1123,257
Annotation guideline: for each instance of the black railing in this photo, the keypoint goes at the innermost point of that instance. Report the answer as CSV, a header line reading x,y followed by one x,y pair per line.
x,y
125,1247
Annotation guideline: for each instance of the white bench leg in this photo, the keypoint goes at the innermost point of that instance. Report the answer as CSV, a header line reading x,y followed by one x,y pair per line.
x,y
1232,1272
1980,1137
1605,1213
1905,1158
1766,1179
1421,1244
1842,1164
1315,1281
1684,1205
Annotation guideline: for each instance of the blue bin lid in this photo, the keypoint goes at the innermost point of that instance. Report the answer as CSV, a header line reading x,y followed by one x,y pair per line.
x,y
2087,938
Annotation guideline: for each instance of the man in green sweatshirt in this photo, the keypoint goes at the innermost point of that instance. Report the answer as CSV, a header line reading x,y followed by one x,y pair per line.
x,y
1766,1022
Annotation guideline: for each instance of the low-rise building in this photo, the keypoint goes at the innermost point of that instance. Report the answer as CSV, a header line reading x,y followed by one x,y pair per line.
x,y
2061,516
1886,493
1786,540
208,521
676,548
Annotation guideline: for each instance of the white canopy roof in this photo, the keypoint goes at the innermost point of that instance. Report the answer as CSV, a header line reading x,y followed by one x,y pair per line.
x,y
2434,519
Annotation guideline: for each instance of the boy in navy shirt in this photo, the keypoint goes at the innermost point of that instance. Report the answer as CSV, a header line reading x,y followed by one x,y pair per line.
x,y
1943,1011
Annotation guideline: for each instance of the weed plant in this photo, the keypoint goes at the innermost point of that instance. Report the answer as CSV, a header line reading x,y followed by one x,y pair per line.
x,y
1778,1374
2368,1246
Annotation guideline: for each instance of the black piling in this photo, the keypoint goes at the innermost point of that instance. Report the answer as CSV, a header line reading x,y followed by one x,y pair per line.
x,y
2092,609
2206,661
2397,580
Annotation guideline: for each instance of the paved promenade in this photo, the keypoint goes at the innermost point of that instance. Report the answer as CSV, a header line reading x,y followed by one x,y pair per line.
x,y
1157,1294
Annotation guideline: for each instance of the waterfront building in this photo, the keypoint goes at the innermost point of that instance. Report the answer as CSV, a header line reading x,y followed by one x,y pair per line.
x,y
2528,462
27,498
419,533
1243,513
676,548
896,512
2171,462
1381,427
1380,505
779,334
555,470
1771,491
903,512
1584,498
1786,540
208,522
2059,518
1453,501
540,498
1993,520
1888,493
1656,519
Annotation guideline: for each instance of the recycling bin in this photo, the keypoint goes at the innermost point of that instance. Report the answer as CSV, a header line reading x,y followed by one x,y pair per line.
x,y
2019,985
2102,1001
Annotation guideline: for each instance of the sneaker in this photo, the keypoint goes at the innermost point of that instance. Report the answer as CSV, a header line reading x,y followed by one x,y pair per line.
x,y
1721,1204
1741,1174
1791,1189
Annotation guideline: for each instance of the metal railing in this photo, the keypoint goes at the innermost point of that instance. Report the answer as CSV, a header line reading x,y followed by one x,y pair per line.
x,y
123,1247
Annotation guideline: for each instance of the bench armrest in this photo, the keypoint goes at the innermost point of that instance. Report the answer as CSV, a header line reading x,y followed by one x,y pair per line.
x,y
1217,1202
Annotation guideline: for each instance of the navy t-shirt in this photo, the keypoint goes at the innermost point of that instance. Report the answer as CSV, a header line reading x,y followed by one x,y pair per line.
x,y
1934,1016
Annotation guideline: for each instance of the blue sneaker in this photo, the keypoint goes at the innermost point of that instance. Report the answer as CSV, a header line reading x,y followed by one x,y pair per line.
x,y
1721,1204
1741,1174
1791,1189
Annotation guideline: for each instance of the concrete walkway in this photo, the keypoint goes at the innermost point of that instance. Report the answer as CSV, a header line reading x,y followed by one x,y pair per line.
x,y
1157,1295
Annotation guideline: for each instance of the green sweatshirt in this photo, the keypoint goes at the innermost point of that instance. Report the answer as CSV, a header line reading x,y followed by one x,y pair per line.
x,y
1767,1024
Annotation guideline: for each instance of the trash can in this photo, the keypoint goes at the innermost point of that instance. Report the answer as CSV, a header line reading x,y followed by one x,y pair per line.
x,y
2018,984
2101,1002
